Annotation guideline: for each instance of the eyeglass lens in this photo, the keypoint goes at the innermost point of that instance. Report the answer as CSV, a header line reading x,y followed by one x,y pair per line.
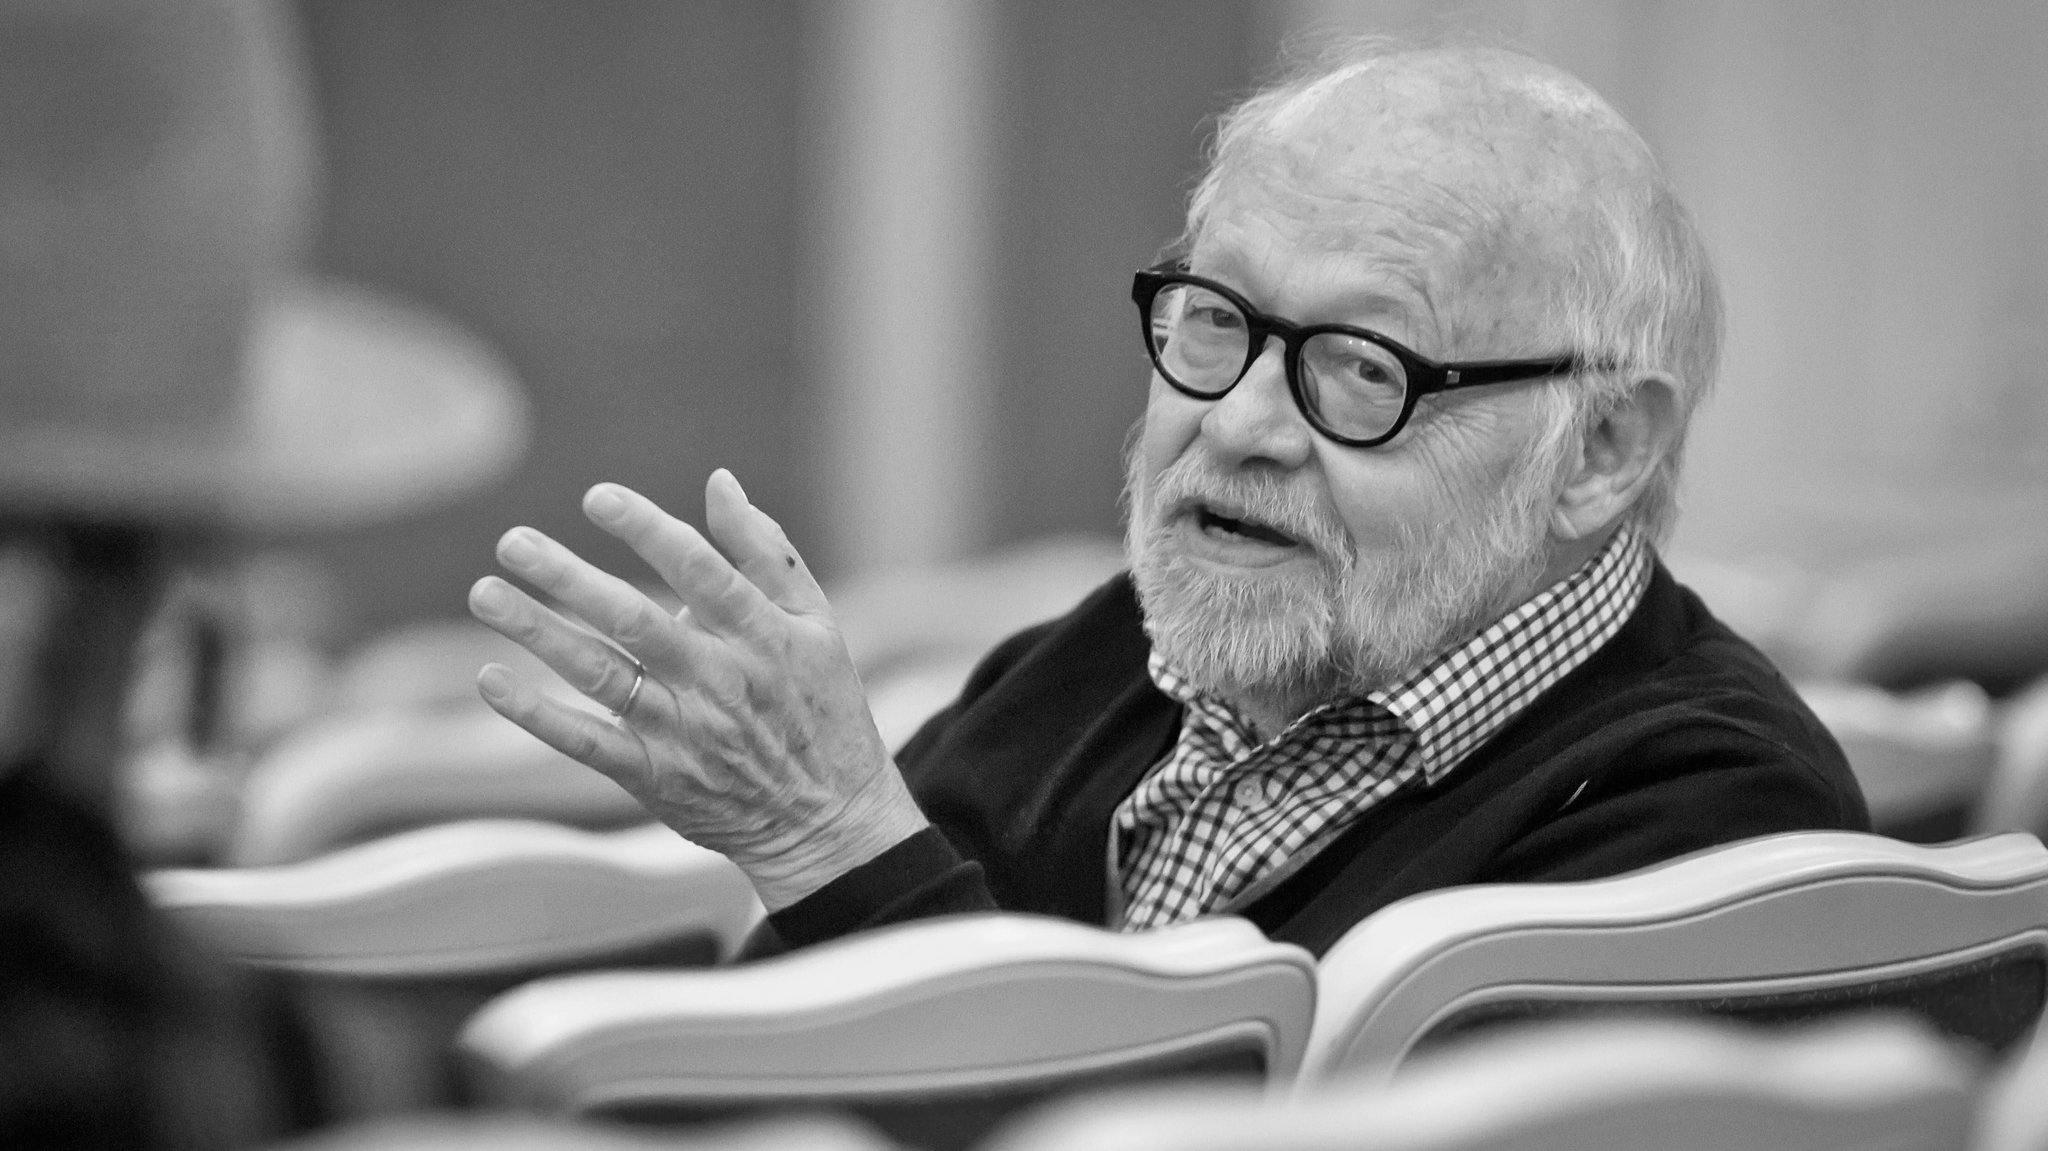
x,y
1351,385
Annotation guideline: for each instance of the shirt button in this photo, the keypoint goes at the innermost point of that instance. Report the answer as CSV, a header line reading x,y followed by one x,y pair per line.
x,y
1249,793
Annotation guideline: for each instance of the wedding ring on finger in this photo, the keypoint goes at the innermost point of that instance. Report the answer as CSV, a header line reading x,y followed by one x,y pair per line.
x,y
632,693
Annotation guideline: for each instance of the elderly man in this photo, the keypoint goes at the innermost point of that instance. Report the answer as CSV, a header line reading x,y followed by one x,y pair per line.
x,y
1393,620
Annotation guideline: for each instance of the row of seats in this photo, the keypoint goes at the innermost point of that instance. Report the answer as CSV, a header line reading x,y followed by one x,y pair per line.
x,y
1876,1084
1948,753
317,752
441,965
1943,759
398,737
938,1032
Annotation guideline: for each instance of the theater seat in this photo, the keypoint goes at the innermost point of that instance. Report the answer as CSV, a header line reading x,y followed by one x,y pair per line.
x,y
1922,757
1588,1086
497,1132
364,775
933,1030
2016,799
1776,929
393,943
2014,1116
921,616
426,665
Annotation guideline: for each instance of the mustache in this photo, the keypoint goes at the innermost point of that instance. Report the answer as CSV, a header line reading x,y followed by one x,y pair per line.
x,y
1191,481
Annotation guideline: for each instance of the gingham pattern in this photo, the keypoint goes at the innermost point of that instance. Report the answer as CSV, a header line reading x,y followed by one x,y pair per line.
x,y
1222,812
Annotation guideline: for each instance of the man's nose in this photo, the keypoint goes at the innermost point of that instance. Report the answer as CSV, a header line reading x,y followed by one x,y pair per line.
x,y
1258,420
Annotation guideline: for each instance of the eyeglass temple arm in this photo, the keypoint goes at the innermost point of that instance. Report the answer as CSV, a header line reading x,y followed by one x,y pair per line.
x,y
1474,373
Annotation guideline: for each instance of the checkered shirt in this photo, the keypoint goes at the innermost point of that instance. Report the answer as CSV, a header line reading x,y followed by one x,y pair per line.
x,y
1223,818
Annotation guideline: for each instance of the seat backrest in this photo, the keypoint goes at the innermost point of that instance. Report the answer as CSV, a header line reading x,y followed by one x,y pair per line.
x,y
2014,1115
2016,799
1586,1086
362,776
941,612
391,944
934,1030
463,898
1922,757
425,665
1775,929
451,1131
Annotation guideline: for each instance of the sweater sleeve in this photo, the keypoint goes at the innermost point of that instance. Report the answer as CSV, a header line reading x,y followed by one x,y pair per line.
x,y
919,878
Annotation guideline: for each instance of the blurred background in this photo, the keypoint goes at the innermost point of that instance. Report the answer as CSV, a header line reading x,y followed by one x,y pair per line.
x,y
873,255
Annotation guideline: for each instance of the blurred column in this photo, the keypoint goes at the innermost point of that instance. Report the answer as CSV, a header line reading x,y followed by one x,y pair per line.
x,y
896,312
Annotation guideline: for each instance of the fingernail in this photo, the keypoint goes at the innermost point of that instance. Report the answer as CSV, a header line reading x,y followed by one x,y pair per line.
x,y
489,597
519,547
605,502
495,682
735,482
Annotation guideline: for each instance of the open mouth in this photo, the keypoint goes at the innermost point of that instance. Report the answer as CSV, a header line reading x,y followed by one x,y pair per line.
x,y
1211,520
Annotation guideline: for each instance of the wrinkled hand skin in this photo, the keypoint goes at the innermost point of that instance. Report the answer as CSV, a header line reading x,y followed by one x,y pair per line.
x,y
751,733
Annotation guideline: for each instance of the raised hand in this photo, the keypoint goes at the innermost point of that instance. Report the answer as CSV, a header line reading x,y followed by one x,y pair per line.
x,y
738,721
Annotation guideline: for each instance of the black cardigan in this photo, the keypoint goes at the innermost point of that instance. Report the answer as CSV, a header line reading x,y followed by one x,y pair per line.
x,y
1676,735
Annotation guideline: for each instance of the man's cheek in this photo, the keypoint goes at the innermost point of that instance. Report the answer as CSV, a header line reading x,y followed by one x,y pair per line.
x,y
1173,422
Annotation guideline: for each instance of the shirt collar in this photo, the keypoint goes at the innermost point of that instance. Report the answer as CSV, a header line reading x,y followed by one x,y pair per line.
x,y
1461,698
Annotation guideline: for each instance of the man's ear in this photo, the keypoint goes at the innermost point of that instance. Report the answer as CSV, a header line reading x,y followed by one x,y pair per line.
x,y
1621,453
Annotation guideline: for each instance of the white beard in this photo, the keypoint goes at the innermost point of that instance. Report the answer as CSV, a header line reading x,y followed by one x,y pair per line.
x,y
1350,624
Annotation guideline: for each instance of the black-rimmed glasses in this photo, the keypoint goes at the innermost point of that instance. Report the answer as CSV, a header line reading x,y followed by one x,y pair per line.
x,y
1352,384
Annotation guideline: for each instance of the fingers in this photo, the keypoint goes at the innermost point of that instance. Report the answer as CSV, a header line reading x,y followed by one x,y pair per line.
x,y
720,598
581,736
606,602
585,662
751,733
759,547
